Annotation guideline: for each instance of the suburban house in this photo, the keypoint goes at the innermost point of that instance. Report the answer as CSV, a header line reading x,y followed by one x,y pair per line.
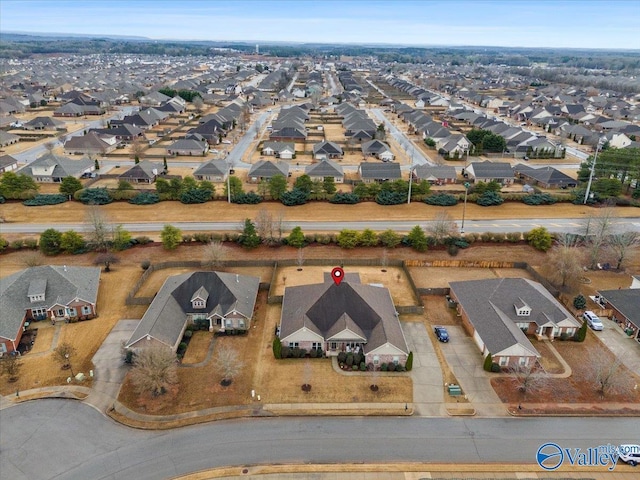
x,y
143,172
324,169
53,168
42,293
91,144
7,138
266,169
326,149
188,146
342,318
488,171
213,171
378,149
8,163
499,313
546,177
224,302
625,307
379,172
438,174
283,150
452,145
125,133
45,123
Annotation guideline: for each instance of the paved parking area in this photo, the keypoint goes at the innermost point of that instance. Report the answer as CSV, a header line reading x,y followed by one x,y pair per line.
x,y
465,360
623,347
428,394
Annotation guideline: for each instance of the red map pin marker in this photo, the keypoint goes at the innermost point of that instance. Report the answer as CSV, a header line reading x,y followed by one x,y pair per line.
x,y
337,274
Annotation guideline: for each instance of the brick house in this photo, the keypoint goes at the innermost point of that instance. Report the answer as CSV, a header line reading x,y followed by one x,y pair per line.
x,y
625,307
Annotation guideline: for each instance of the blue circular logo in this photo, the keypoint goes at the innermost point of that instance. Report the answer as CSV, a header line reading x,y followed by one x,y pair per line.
x,y
549,456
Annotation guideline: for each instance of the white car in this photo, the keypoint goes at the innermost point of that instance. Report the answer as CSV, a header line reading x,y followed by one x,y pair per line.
x,y
629,454
226,142
592,320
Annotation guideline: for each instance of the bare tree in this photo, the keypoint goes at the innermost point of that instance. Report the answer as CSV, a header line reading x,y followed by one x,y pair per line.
x,y
278,225
300,258
106,259
10,366
198,103
99,234
229,363
607,374
34,259
215,254
528,379
621,244
441,227
596,230
137,148
63,354
154,370
49,146
384,258
265,227
565,260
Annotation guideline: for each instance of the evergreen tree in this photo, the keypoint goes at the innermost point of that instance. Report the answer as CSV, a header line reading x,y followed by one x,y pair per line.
x,y
249,238
417,239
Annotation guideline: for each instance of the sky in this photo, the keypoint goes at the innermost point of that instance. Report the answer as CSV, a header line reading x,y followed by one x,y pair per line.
x,y
509,23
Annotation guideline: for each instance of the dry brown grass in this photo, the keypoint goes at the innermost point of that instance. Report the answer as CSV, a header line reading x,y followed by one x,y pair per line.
x,y
198,347
44,337
439,277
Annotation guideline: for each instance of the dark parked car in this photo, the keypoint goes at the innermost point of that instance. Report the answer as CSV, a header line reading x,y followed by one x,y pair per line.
x,y
442,334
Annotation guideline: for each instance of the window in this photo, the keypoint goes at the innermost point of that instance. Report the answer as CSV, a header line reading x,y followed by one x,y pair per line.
x,y
198,316
396,360
504,361
241,323
523,361
86,309
3,347
39,312
72,312
228,323
294,344
316,346
333,345
198,304
60,312
376,359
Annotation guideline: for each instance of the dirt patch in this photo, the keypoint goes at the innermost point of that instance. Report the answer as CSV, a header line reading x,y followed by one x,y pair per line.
x,y
198,347
438,311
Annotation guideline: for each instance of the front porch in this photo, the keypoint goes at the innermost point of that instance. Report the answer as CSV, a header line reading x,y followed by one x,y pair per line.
x,y
333,348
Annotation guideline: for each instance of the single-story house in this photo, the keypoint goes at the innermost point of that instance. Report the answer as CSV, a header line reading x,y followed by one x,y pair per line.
x,y
499,313
91,144
213,171
326,149
223,302
379,172
47,292
188,146
45,123
8,163
53,168
342,318
546,177
266,169
625,305
283,150
438,174
8,138
377,149
143,172
325,169
488,171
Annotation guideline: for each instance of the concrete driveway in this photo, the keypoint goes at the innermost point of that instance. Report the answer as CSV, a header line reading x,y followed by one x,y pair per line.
x,y
110,369
428,396
623,347
465,360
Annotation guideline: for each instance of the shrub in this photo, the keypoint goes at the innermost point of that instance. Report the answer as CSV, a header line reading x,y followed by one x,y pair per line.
x,y
498,237
489,199
383,367
202,237
187,238
487,363
390,198
347,238
579,302
409,362
248,198
345,198
441,200
195,195
486,236
31,243
145,198
324,239
581,334
145,264
17,244
182,347
43,199
122,194
540,239
294,197
495,368
188,333
539,199
50,241
2,200
313,353
142,240
342,357
391,367
389,238
470,237
453,249
94,196
514,237
349,359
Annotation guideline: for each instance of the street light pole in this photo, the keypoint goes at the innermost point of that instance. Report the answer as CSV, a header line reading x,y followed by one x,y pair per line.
x,y
464,206
410,177
593,168
66,356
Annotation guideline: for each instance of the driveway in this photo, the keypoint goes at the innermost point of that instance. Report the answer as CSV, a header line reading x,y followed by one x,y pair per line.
x,y
109,367
428,395
465,360
623,347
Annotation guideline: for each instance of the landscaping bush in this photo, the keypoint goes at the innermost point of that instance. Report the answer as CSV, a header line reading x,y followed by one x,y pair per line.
x,y
390,198
142,240
248,198
188,333
31,243
122,194
539,199
2,200
294,197
409,362
3,244
313,353
285,352
349,360
391,367
187,238
495,368
16,244
579,302
202,237
195,195
145,264
581,334
145,198
514,237
94,196
441,200
489,199
487,363
44,199
498,237
277,348
345,198
400,368
182,346
452,250
470,237
383,367
363,367
324,239
342,357
486,236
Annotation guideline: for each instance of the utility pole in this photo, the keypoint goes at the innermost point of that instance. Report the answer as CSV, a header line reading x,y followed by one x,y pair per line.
x,y
410,176
593,168
464,206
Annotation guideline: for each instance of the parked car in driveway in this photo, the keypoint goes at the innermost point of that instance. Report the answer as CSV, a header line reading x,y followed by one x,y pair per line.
x,y
442,334
592,320
629,454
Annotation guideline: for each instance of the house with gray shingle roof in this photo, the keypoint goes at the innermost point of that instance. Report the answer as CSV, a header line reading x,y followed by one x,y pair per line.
x,y
324,169
327,149
499,313
379,172
143,172
45,292
625,307
223,302
266,169
342,318
546,177
213,171
488,171
188,146
53,168
438,174
284,150
8,138
7,163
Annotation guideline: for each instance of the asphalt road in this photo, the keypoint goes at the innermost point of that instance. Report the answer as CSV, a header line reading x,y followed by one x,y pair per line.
x,y
571,225
65,439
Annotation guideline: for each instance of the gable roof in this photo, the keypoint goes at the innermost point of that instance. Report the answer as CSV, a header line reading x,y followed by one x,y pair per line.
x,y
213,167
375,146
165,318
325,168
380,171
327,147
627,302
327,309
489,169
268,169
60,284
546,175
435,172
143,170
58,166
7,161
